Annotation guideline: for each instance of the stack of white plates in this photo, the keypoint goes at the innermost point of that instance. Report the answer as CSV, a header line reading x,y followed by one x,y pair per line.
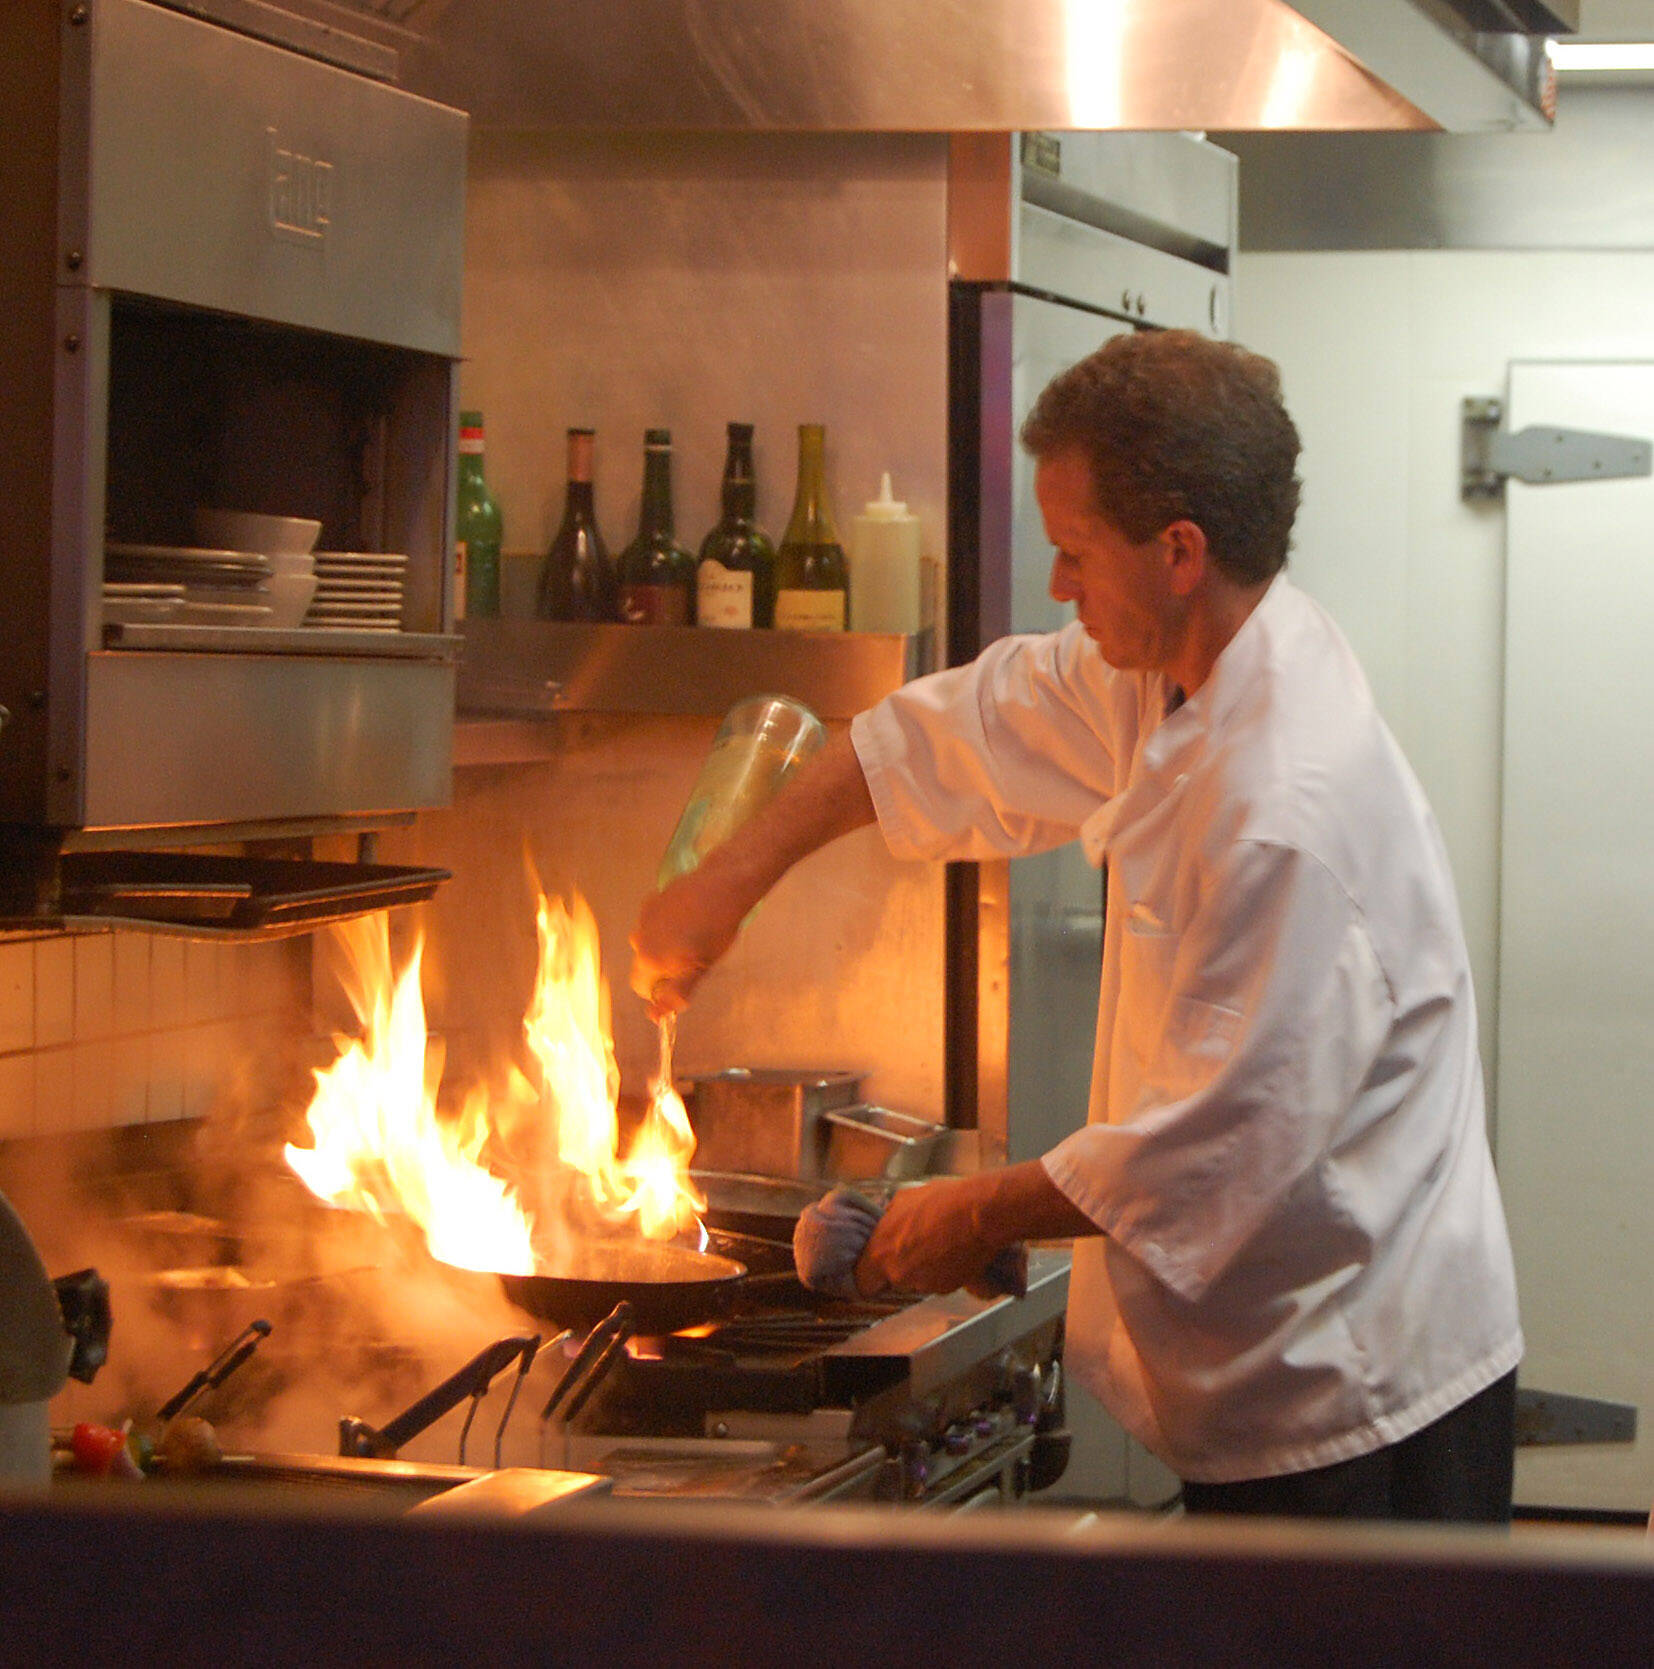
x,y
358,591
141,603
214,587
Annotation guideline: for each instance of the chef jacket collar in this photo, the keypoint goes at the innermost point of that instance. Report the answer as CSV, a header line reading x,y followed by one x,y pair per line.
x,y
1187,721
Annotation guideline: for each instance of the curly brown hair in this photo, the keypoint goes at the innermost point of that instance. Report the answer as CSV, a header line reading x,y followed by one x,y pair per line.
x,y
1178,427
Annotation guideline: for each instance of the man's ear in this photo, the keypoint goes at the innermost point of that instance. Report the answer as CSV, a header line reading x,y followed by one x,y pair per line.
x,y
1187,555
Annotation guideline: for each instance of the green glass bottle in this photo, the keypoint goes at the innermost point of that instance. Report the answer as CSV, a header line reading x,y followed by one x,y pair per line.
x,y
477,528
812,578
577,581
735,580
657,575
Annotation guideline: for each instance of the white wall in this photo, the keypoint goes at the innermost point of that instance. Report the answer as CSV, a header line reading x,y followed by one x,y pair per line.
x,y
1377,350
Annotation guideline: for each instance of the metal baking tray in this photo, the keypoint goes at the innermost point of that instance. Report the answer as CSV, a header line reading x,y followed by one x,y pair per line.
x,y
219,896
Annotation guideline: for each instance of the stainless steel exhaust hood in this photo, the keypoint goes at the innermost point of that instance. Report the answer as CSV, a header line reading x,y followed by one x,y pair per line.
x,y
952,65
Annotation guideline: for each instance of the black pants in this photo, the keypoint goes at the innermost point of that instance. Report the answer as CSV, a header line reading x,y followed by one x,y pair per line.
x,y
1457,1470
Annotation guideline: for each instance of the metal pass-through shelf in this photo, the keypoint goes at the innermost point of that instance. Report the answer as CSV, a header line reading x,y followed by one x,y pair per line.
x,y
528,667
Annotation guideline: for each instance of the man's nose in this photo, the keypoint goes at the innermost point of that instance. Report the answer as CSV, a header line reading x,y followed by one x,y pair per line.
x,y
1063,589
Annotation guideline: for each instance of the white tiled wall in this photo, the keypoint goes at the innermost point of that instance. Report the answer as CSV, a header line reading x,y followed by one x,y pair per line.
x,y
102,1029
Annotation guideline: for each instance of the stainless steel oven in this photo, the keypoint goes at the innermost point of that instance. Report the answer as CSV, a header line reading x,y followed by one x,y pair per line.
x,y
233,279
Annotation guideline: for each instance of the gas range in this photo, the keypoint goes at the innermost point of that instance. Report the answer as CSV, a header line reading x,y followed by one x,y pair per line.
x,y
795,1397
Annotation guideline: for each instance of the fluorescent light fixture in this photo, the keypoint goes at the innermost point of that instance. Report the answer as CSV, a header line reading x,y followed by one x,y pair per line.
x,y
1601,57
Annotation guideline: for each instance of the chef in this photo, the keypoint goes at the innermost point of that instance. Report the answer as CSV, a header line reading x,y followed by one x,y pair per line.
x,y
1291,1279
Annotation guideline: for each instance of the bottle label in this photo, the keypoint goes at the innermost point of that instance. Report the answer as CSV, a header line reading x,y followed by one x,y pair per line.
x,y
809,611
461,554
654,605
470,442
723,595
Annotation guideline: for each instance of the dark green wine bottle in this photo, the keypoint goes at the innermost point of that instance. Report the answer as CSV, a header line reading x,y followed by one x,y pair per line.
x,y
735,580
657,575
812,578
578,580
477,528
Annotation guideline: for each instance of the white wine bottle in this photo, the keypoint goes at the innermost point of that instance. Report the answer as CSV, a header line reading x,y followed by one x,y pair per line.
x,y
812,579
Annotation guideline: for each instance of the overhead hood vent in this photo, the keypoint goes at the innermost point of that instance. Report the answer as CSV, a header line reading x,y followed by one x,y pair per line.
x,y
961,66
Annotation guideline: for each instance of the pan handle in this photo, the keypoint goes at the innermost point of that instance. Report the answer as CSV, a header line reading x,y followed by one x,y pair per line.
x,y
524,1363
357,1437
593,1359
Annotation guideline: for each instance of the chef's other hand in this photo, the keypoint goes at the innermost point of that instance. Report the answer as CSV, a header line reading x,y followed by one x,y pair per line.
x,y
681,931
829,1238
931,1239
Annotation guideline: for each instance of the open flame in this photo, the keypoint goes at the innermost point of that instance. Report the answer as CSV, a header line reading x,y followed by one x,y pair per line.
x,y
380,1144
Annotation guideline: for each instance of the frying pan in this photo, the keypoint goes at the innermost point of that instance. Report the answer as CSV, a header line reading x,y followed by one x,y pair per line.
x,y
667,1286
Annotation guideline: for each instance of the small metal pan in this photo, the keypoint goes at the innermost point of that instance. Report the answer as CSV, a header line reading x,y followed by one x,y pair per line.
x,y
667,1286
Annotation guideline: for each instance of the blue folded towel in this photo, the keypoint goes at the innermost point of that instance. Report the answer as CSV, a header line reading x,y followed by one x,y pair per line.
x,y
831,1235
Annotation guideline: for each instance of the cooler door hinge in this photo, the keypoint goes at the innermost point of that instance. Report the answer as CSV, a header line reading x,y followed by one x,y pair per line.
x,y
1547,1417
1540,456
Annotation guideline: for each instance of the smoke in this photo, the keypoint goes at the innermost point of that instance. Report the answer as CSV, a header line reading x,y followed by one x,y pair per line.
x,y
200,1227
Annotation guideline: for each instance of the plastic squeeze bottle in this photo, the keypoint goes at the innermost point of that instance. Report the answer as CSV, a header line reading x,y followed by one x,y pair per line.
x,y
884,566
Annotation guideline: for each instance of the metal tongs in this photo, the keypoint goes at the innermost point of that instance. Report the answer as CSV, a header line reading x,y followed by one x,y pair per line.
x,y
591,1362
217,1370
360,1440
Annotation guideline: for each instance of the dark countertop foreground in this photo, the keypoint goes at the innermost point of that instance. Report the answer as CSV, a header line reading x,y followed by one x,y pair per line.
x,y
182,1577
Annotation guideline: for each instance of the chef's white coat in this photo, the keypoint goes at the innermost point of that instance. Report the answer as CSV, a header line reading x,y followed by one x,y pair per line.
x,y
1304,1254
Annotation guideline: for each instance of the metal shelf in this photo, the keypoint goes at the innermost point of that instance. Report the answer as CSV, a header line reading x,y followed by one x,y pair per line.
x,y
519,668
263,640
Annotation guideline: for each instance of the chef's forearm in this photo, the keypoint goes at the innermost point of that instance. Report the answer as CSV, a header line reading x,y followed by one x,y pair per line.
x,y
828,798
1021,1202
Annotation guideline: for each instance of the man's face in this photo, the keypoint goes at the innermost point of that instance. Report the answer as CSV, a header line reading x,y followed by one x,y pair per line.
x,y
1121,591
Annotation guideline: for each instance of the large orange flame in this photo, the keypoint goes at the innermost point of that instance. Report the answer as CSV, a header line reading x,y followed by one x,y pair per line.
x,y
381,1146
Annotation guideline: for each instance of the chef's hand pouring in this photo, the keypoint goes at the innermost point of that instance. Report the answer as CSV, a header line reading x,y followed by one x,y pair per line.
x,y
683,929
680,933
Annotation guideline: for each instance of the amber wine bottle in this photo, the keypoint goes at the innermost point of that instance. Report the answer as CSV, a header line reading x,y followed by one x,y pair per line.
x,y
812,579
578,580
657,575
735,580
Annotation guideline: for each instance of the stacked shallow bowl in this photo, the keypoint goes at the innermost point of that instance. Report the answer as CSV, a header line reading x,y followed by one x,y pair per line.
x,y
284,543
359,591
185,584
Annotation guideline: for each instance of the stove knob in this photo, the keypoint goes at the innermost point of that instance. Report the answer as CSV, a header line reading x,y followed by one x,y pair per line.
x,y
958,1440
984,1425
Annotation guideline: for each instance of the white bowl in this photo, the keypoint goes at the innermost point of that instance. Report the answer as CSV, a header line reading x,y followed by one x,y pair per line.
x,y
241,530
291,562
289,599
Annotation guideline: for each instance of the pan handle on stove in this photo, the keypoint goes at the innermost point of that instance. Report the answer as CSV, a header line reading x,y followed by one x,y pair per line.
x,y
217,1370
524,1363
593,1360
358,1438
612,1349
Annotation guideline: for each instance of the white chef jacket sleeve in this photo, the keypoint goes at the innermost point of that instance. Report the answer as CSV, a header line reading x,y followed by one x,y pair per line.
x,y
1001,758
1253,1051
